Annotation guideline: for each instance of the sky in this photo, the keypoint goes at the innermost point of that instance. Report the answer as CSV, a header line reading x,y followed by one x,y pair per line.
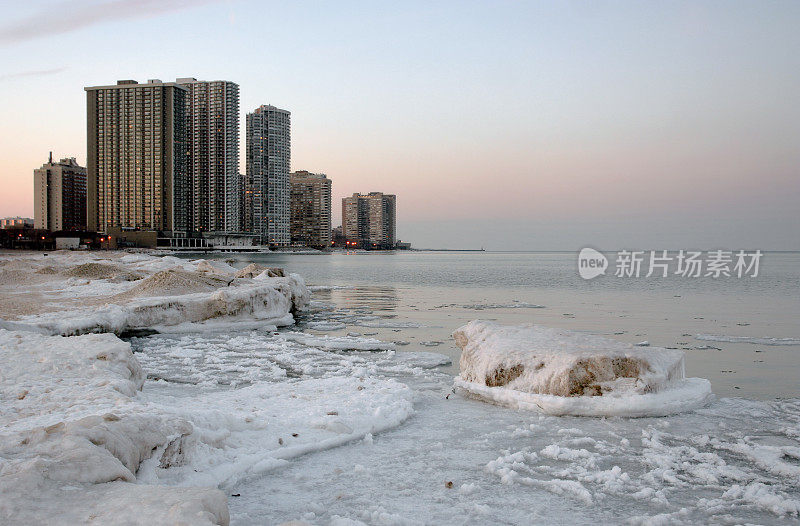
x,y
500,124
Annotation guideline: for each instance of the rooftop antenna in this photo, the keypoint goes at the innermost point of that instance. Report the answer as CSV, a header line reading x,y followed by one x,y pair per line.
x,y
51,158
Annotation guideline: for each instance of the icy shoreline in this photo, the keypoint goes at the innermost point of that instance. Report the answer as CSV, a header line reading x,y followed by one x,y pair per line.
x,y
80,439
228,399
77,293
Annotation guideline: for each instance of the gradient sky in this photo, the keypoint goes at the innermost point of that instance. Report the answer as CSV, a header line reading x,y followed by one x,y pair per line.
x,y
508,125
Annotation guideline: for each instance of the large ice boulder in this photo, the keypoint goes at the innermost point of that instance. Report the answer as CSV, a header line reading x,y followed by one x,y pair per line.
x,y
564,372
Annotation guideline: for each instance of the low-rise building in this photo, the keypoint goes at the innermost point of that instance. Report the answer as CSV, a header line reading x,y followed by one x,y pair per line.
x,y
16,222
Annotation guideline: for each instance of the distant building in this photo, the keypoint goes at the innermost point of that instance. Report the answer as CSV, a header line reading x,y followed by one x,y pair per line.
x,y
337,238
137,174
245,205
59,195
266,188
16,222
310,209
212,138
368,221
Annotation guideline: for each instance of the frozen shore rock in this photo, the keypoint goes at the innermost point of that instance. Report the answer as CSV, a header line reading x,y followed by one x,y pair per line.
x,y
557,371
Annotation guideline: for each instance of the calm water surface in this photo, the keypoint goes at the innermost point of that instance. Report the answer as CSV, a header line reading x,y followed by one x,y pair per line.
x,y
426,295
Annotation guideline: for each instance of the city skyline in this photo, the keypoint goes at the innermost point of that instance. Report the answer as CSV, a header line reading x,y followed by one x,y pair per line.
x,y
555,125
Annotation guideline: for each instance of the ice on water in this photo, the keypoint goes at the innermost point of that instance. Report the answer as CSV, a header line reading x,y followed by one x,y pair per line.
x,y
569,373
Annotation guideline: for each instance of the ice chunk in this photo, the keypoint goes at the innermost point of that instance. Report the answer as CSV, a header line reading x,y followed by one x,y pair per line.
x,y
212,266
343,343
563,372
326,325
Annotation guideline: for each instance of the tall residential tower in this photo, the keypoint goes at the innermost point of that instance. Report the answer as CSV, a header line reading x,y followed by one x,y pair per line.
x,y
212,133
369,220
137,157
311,209
266,189
59,195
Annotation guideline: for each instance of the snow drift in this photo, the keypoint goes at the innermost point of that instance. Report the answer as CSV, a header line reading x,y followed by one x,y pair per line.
x,y
563,372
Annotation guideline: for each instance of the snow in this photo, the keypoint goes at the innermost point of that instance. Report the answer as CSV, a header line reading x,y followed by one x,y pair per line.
x,y
70,420
78,420
563,372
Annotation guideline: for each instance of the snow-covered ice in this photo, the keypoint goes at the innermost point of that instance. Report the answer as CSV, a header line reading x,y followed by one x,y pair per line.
x,y
244,432
122,292
564,372
77,421
73,436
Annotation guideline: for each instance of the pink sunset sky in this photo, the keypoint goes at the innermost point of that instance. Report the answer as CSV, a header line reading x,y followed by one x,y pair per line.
x,y
509,125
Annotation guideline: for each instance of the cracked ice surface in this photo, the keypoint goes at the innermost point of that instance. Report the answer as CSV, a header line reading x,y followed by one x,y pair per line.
x,y
733,462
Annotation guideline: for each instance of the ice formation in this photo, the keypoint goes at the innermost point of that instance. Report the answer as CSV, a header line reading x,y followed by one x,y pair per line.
x,y
121,292
79,435
74,436
563,372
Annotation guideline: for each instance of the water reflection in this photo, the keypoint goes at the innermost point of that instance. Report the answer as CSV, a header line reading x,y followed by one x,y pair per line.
x,y
373,298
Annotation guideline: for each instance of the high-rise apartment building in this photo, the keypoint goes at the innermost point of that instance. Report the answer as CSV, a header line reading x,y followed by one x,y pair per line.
x,y
212,137
266,189
137,174
310,209
369,220
59,195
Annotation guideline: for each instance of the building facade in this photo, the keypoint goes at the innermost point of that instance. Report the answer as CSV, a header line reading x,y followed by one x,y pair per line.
x,y
137,173
369,220
16,222
310,209
212,137
266,189
59,195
